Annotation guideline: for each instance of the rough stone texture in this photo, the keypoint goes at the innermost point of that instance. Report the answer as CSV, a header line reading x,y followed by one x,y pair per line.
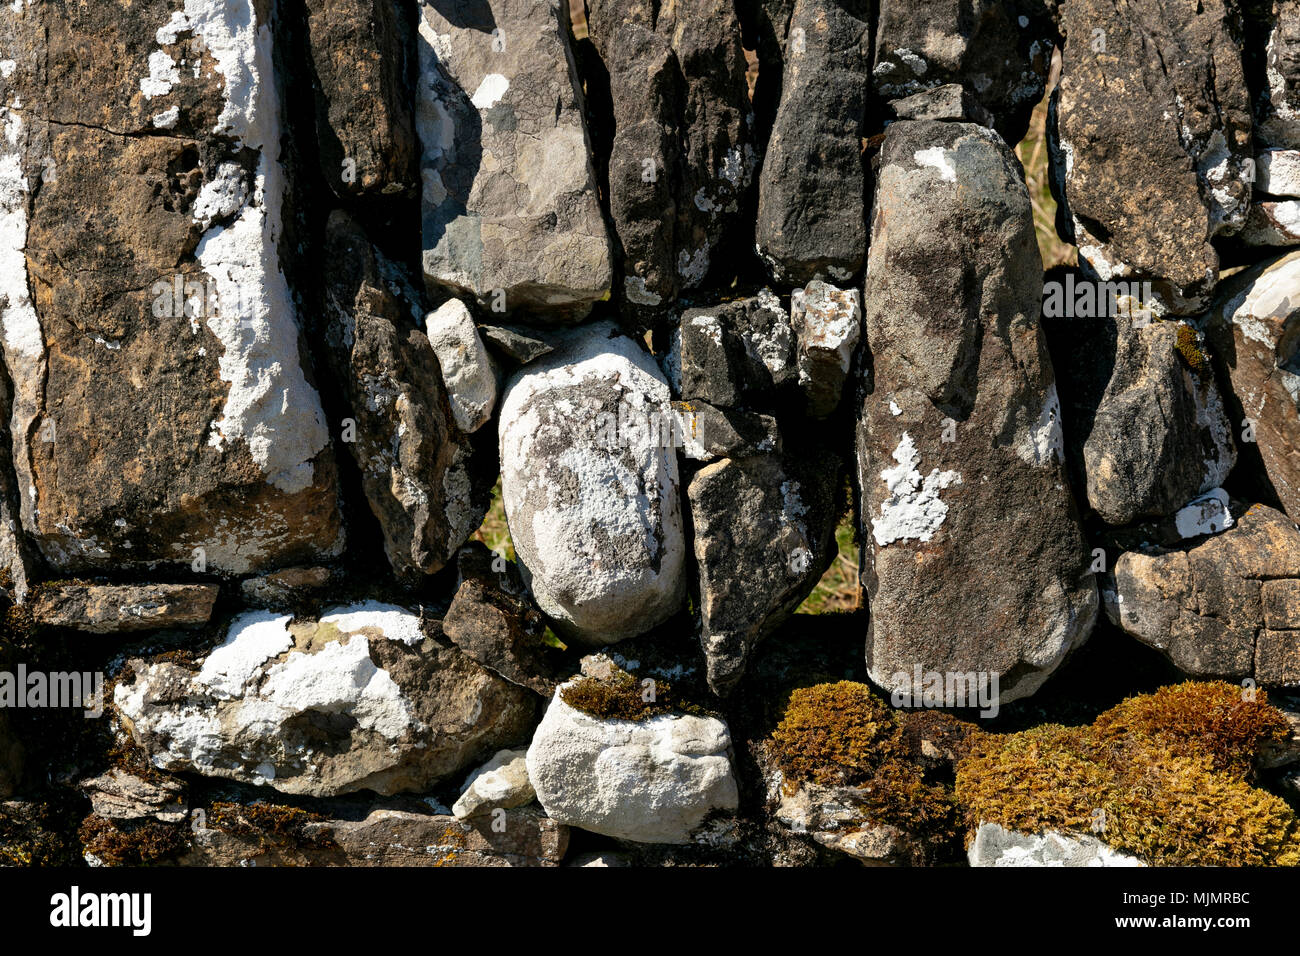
x,y
17,566
117,609
1273,223
383,836
1146,179
996,846
1277,172
492,620
284,588
360,699
510,198
1204,606
1252,332
360,54
949,102
500,784
416,468
973,555
120,795
652,781
1159,435
677,86
161,404
590,487
764,535
998,50
710,432
516,345
833,817
827,325
468,372
736,353
1274,43
812,221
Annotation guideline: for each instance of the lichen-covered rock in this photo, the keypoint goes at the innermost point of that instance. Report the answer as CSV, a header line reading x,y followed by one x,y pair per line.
x,y
1273,40
285,588
1251,333
417,468
500,784
163,412
1277,172
1272,222
361,53
468,372
710,432
118,794
949,102
764,535
812,220
115,609
996,846
1148,177
1224,606
734,354
827,325
998,50
510,206
1159,435
649,781
590,486
682,160
361,699
973,555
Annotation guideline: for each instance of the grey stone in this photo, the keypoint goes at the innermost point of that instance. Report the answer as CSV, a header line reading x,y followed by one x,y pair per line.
x,y
500,784
996,846
951,101
120,609
468,372
827,325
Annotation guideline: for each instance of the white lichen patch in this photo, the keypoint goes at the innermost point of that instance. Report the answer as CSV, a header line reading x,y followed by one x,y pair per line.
x,y
913,510
252,640
938,158
490,91
1208,514
1044,440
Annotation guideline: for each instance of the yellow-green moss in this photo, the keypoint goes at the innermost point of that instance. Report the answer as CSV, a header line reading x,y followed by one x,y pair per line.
x,y
137,844
1163,776
1186,341
622,697
271,824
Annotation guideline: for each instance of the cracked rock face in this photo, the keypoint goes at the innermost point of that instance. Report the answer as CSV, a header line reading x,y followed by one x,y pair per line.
x,y
114,609
510,204
417,468
960,420
812,218
682,159
161,402
1146,179
828,325
1253,330
591,489
1226,606
359,700
651,781
734,354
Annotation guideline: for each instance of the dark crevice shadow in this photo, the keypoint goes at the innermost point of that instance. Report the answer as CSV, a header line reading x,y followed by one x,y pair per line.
x,y
466,14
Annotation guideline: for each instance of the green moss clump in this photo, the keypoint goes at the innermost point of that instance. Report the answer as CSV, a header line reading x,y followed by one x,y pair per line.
x,y
843,735
1163,776
622,697
1186,341
137,844
271,824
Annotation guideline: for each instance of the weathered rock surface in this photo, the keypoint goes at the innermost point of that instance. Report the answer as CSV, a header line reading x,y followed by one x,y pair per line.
x,y
764,535
1226,606
960,577
1273,222
416,468
510,204
949,102
360,699
835,818
709,432
812,220
1274,44
1159,435
161,403
120,795
492,620
996,846
17,566
591,488
116,609
1277,172
516,345
1000,51
682,159
1252,331
827,325
467,370
500,784
1147,178
285,588
360,54
652,781
736,353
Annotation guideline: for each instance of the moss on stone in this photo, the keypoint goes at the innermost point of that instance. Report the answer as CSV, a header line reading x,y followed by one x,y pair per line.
x,y
1163,776
622,696
132,844
271,824
1188,344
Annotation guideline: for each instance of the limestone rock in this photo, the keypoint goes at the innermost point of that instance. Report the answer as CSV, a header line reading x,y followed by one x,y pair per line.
x,y
359,700
510,204
163,413
417,470
996,846
285,588
834,818
467,370
515,344
1148,177
1223,606
118,609
118,794
828,325
812,221
1273,222
501,783
591,489
973,555
652,781
1277,172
